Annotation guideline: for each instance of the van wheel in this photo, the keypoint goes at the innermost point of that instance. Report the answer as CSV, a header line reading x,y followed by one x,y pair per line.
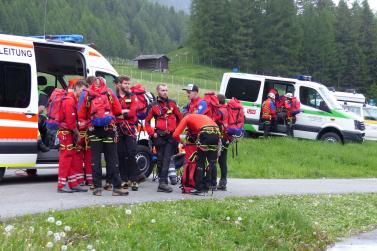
x,y
2,172
143,160
331,137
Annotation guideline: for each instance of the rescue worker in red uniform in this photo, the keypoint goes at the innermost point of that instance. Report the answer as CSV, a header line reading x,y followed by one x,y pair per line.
x,y
223,158
101,107
126,125
269,114
83,148
196,104
167,116
205,133
68,136
292,106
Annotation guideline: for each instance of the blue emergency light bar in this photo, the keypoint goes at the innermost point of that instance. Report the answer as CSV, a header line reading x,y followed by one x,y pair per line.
x,y
304,78
73,38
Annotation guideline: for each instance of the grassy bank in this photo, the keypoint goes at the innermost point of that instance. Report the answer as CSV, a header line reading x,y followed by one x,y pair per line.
x,y
272,223
294,158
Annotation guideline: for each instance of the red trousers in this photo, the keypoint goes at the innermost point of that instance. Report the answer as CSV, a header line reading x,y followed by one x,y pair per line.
x,y
67,156
84,159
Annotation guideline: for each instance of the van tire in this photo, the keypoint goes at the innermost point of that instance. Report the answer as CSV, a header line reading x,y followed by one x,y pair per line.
x,y
144,159
331,137
2,172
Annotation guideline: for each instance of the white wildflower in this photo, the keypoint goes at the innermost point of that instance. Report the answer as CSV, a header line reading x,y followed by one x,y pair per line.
x,y
49,233
62,234
67,228
153,221
31,229
49,244
236,222
9,228
57,237
239,218
128,211
51,219
89,247
228,218
58,223
64,247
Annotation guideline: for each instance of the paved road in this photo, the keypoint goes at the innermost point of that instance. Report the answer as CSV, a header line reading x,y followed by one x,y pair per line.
x,y
23,195
362,242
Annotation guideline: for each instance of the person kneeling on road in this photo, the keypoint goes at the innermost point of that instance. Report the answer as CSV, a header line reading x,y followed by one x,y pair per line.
x,y
205,133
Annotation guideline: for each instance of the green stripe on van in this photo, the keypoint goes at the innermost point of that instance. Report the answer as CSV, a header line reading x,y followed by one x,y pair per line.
x,y
245,103
249,127
334,113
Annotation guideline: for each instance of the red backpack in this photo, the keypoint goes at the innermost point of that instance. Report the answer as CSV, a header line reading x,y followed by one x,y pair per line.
x,y
213,106
295,106
236,118
144,100
54,107
100,107
188,175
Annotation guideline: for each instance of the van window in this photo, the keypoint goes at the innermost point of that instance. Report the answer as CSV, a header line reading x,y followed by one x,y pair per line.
x,y
356,110
310,97
108,77
370,113
243,89
15,85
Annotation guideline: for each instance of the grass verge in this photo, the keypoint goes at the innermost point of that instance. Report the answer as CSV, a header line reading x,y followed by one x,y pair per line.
x,y
295,158
258,223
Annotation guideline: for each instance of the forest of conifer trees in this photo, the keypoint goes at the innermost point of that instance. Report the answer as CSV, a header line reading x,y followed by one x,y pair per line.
x,y
336,44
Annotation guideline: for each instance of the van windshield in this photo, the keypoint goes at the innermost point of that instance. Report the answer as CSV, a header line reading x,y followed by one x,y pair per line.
x,y
370,113
330,98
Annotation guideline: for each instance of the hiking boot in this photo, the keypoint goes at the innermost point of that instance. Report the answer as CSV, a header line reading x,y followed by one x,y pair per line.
x,y
78,188
65,189
120,192
197,192
97,191
141,178
222,185
125,185
163,187
107,186
134,186
91,187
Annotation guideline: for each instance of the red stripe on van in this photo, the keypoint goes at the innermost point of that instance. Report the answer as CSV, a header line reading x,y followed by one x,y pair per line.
x,y
18,133
17,44
18,116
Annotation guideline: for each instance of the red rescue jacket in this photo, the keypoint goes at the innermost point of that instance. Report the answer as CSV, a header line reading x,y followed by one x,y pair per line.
x,y
129,102
68,113
166,114
193,122
268,109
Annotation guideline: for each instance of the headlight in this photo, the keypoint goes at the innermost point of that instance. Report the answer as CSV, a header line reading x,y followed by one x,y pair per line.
x,y
359,125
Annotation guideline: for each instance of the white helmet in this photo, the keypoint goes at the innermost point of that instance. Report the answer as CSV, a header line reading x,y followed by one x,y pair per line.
x,y
288,95
271,95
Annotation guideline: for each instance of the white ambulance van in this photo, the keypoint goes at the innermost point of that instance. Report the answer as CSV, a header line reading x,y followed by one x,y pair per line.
x,y
356,103
321,116
26,66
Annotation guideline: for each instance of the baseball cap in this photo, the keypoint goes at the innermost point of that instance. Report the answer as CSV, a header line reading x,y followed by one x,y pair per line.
x,y
191,87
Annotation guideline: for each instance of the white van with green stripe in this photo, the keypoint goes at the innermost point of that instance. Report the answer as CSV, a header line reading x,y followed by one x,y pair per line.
x,y
321,117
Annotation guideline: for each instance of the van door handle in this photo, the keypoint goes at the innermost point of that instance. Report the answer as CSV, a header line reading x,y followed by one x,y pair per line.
x,y
30,113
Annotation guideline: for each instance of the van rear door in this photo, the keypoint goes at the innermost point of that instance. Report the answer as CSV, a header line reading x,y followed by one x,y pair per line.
x,y
18,103
248,91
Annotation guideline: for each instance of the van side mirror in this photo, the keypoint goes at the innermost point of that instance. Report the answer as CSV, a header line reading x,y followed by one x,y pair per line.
x,y
323,106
